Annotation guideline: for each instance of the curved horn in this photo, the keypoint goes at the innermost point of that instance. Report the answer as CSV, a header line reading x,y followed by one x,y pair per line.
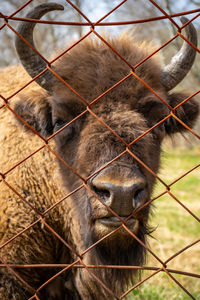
x,y
182,62
31,61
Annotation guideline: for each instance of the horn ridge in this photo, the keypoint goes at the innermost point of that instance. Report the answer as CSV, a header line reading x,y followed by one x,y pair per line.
x,y
30,60
182,62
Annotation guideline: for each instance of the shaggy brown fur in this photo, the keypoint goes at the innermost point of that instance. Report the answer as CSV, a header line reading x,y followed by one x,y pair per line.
x,y
130,109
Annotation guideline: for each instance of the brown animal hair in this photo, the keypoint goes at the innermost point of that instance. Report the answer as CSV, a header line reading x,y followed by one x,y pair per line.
x,y
86,145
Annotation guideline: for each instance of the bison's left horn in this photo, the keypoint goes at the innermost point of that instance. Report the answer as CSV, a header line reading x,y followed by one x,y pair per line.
x,y
31,61
182,62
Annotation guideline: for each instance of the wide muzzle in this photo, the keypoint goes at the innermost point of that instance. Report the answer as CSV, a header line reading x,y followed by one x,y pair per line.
x,y
122,188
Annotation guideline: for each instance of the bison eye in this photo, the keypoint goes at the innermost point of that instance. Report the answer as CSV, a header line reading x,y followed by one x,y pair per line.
x,y
161,125
158,130
59,123
67,132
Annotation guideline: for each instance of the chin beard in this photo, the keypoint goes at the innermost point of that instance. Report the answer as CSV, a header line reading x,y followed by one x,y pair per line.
x,y
120,249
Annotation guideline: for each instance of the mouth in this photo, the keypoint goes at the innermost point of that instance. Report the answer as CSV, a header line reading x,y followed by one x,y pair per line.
x,y
116,222
108,224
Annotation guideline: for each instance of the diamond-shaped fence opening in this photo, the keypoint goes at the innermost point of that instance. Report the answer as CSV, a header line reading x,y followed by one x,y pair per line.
x,y
80,156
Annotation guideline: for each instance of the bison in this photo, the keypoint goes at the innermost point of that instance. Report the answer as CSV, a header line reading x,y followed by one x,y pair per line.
x,y
109,192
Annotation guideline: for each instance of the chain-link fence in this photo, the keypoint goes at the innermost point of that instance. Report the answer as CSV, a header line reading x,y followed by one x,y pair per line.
x,y
49,248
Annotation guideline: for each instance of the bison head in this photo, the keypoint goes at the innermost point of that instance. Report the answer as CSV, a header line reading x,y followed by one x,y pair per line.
x,y
103,138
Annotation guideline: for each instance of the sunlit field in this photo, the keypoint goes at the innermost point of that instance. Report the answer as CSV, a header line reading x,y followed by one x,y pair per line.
x,y
175,229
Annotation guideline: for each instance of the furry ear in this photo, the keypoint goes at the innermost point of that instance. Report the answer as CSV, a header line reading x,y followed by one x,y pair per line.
x,y
187,113
36,111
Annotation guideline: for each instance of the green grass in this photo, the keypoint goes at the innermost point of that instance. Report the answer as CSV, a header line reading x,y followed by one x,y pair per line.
x,y
153,292
175,229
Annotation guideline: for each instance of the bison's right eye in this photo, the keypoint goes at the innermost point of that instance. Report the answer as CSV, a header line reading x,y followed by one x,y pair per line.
x,y
68,132
59,123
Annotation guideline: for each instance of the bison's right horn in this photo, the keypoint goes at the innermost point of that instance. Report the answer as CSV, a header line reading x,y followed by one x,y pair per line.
x,y
31,61
182,62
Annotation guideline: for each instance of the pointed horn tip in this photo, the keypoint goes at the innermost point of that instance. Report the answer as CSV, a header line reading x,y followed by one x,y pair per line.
x,y
40,10
56,6
184,20
50,6
191,33
189,27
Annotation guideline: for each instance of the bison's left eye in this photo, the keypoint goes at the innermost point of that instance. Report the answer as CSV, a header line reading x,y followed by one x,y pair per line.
x,y
159,130
160,126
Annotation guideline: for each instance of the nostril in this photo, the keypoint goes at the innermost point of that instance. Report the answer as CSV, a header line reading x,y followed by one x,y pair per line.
x,y
103,194
140,195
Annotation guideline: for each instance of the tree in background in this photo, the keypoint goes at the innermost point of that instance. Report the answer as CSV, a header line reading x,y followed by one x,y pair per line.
x,y
55,37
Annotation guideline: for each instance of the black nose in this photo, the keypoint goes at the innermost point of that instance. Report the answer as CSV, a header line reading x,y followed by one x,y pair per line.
x,y
123,196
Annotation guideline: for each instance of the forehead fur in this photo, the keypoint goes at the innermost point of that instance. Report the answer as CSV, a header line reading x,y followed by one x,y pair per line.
x,y
92,67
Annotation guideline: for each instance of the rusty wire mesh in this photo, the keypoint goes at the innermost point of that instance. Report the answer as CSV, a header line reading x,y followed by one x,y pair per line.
x,y
88,109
